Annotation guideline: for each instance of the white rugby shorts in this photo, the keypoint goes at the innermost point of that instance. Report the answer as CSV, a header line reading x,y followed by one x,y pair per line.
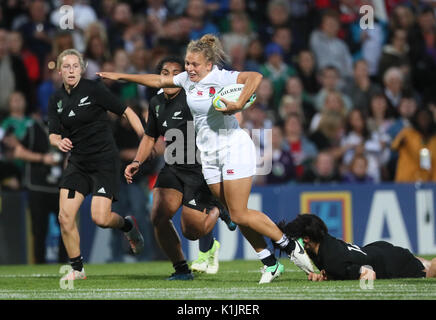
x,y
232,158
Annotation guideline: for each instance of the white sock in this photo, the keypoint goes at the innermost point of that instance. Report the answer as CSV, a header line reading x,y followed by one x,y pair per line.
x,y
283,242
263,254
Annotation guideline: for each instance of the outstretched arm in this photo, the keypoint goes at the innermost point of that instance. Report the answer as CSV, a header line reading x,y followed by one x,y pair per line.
x,y
149,80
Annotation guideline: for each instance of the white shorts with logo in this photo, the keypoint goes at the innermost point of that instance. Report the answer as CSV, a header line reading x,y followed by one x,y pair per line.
x,y
233,157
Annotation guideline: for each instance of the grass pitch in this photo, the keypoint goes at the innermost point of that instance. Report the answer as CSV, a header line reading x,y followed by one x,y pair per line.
x,y
236,280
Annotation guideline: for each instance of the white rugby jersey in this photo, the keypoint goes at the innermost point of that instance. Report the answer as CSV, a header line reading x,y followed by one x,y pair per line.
x,y
211,125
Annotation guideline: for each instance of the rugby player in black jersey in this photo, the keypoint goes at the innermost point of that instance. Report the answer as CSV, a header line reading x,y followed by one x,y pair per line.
x,y
79,124
338,260
180,182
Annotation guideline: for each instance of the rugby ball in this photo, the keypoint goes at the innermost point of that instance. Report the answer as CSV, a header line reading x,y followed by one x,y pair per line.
x,y
231,93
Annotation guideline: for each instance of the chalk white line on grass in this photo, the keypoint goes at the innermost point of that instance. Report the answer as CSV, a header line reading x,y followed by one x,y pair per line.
x,y
247,293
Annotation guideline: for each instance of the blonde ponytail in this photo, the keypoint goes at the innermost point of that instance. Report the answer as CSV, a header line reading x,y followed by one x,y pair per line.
x,y
211,47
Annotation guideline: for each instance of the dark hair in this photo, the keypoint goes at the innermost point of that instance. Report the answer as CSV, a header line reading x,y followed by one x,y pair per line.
x,y
426,132
305,225
348,127
170,59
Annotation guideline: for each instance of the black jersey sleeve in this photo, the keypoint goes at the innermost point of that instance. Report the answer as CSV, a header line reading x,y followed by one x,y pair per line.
x,y
54,122
152,126
107,100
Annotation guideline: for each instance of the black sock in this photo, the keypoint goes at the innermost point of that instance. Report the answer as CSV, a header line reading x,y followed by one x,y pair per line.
x,y
181,267
77,263
269,261
206,242
127,226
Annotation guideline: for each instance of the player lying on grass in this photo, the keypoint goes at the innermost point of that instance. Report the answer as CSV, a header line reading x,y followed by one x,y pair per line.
x,y
338,260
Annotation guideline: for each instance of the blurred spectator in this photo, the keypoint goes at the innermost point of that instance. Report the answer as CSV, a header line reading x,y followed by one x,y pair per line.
x,y
422,41
306,71
13,75
330,80
42,173
30,61
139,59
378,119
329,50
329,133
235,7
282,169
95,54
44,91
302,149
322,170
38,30
196,10
358,171
333,102
264,93
174,34
393,82
290,105
121,19
278,15
283,37
361,89
123,65
294,88
254,55
402,17
157,9
240,32
406,110
359,140
17,119
276,70
414,164
367,43
84,15
395,53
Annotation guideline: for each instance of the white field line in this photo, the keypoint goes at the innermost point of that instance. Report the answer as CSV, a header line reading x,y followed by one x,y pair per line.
x,y
390,291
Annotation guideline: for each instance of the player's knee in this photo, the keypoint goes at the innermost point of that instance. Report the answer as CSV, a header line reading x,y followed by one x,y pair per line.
x,y
239,217
158,217
66,220
192,233
100,218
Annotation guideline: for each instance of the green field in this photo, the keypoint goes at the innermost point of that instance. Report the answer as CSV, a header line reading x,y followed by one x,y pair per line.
x,y
236,280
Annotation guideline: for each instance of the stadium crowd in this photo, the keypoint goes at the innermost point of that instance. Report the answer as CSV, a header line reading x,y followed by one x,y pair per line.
x,y
349,97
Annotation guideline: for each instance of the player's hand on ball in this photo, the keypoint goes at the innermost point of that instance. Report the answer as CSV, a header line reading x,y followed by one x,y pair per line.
x,y
231,107
130,171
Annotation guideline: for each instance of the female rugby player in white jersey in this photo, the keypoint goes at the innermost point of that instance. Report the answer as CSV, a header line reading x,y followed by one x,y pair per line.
x,y
227,152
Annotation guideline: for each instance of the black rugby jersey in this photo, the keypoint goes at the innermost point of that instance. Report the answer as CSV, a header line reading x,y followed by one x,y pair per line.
x,y
172,119
81,116
342,261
